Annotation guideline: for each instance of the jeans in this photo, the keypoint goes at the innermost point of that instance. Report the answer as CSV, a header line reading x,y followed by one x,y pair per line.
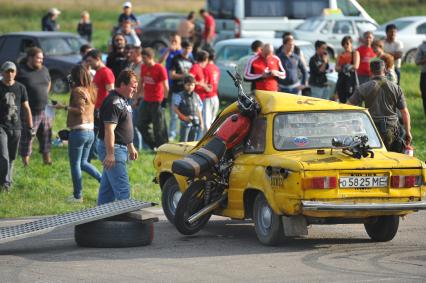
x,y
210,109
188,132
115,184
423,89
152,124
320,92
9,140
173,120
79,144
137,136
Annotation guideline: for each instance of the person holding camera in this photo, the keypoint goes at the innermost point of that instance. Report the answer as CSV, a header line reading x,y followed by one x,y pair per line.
x,y
347,64
80,121
187,105
13,97
318,66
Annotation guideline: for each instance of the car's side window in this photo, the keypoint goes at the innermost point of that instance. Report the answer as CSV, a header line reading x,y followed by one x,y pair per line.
x,y
27,43
421,29
343,27
256,140
327,27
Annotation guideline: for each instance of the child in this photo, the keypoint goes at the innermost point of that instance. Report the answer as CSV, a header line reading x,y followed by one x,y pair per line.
x,y
187,105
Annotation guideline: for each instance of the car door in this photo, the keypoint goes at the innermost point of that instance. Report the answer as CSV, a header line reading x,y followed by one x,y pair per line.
x,y
226,60
157,33
11,49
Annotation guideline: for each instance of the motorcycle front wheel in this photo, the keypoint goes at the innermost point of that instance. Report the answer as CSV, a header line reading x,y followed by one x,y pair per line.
x,y
191,202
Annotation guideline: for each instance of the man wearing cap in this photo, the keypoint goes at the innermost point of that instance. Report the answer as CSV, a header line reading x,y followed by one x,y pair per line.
x,y
48,22
13,96
128,15
383,99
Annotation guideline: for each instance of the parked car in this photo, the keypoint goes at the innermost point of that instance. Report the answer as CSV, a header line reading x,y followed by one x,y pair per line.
x,y
156,28
61,52
306,161
411,31
332,29
270,18
229,51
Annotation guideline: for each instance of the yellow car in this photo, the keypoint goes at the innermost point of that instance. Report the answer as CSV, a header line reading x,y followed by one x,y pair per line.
x,y
296,169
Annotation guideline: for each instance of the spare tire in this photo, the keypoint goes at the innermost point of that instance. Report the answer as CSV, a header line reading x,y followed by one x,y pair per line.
x,y
112,233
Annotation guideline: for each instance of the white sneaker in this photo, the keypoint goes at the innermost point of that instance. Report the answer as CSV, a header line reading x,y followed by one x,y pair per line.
x,y
72,199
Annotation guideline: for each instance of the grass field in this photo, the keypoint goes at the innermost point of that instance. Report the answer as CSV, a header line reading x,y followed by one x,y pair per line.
x,y
41,190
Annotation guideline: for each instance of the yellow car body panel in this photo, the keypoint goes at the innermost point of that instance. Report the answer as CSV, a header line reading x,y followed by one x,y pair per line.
x,y
286,193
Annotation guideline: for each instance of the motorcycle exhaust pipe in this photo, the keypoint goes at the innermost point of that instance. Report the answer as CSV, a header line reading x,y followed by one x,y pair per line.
x,y
206,209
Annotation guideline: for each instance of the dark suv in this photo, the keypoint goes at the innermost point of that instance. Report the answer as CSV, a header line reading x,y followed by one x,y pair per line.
x,y
61,52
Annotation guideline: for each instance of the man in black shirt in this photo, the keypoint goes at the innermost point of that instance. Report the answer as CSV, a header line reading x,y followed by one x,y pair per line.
x,y
117,59
318,66
35,77
13,96
116,139
48,22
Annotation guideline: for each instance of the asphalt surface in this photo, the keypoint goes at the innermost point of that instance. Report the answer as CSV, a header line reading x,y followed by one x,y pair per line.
x,y
225,251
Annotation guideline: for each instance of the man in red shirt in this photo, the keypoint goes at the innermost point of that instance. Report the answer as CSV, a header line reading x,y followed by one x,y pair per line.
x,y
264,69
154,88
197,71
104,81
366,53
211,101
209,27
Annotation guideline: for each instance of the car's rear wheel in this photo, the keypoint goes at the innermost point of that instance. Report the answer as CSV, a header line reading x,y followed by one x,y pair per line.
x,y
410,57
382,228
268,225
59,83
170,197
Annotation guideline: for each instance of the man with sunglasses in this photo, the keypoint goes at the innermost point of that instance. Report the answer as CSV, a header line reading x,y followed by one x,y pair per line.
x,y
13,97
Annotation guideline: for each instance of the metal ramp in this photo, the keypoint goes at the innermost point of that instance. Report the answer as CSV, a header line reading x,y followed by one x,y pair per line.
x,y
48,224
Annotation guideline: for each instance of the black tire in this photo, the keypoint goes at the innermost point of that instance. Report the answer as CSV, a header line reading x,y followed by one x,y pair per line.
x,y
114,234
59,83
170,197
410,57
192,201
383,229
268,225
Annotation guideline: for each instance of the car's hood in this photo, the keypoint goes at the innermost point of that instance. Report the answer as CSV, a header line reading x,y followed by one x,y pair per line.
x,y
337,160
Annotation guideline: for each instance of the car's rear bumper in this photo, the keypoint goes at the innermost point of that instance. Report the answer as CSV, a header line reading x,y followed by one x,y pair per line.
x,y
347,207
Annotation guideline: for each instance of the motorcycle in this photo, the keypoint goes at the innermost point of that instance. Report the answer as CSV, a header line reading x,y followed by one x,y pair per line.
x,y
208,169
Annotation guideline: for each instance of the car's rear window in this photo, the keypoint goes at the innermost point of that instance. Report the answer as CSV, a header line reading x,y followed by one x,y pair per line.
x,y
400,24
316,129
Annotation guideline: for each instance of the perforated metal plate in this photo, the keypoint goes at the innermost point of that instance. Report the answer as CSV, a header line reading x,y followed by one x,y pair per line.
x,y
48,224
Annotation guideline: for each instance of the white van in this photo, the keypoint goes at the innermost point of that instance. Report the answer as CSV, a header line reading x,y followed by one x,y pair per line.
x,y
270,18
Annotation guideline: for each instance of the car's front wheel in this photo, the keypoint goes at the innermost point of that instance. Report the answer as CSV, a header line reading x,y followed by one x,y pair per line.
x,y
59,83
170,197
268,225
382,228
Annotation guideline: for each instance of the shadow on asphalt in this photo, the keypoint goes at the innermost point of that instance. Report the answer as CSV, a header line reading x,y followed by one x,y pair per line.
x,y
219,238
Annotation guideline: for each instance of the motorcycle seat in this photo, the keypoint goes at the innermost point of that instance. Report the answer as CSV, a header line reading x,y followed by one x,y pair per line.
x,y
200,161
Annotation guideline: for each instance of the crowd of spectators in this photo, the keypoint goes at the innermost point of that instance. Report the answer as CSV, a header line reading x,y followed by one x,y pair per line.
x,y
119,107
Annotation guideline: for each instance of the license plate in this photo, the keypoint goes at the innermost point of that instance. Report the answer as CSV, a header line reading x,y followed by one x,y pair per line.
x,y
363,181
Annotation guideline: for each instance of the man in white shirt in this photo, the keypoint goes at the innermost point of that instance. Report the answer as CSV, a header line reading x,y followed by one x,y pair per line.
x,y
394,48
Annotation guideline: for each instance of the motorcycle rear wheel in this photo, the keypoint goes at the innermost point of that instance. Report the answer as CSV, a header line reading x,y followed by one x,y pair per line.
x,y
191,202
